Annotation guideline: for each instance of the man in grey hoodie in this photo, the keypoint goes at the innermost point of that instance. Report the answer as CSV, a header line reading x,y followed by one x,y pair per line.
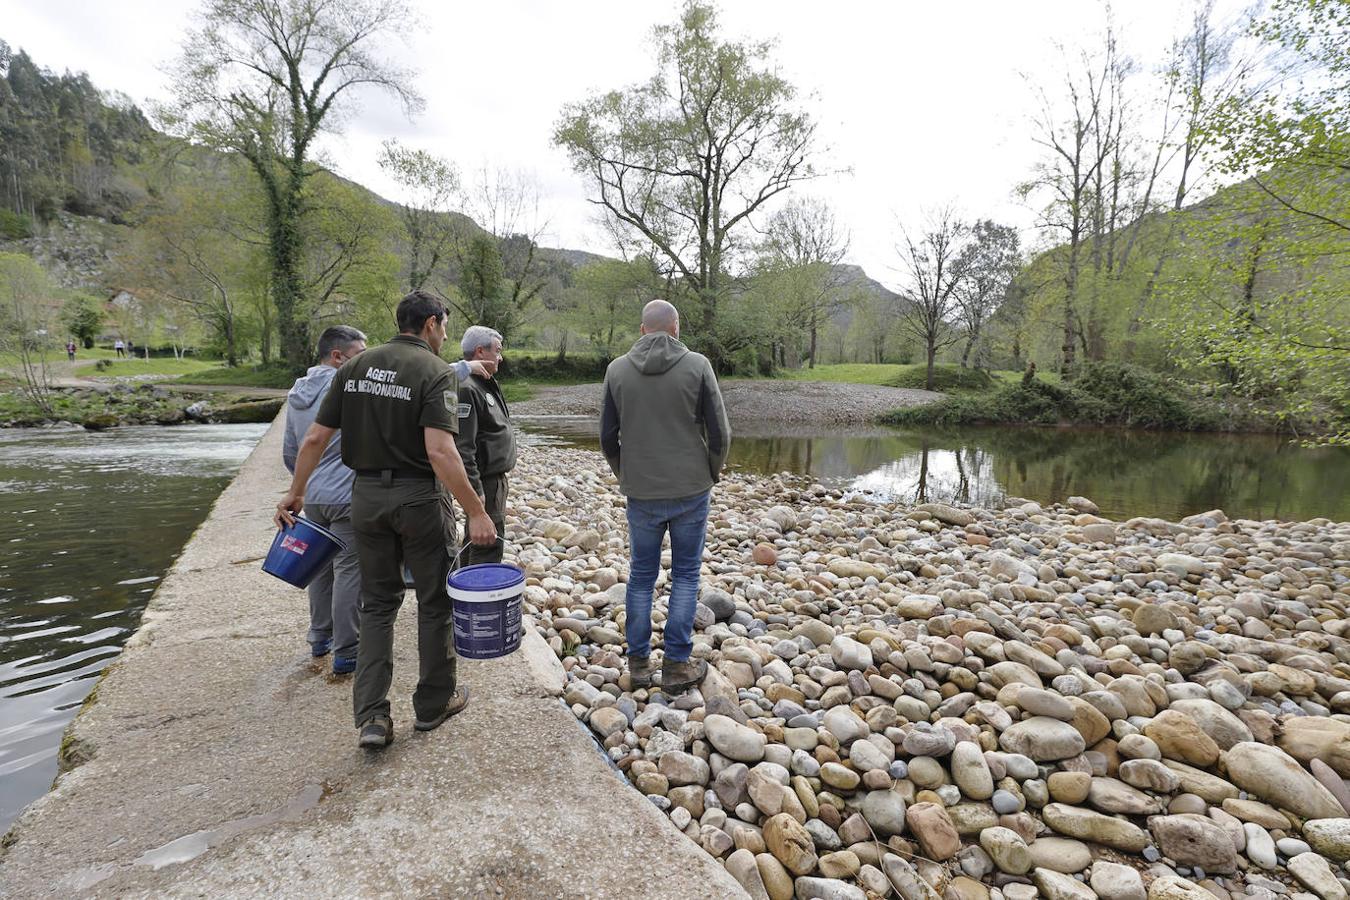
x,y
664,431
335,595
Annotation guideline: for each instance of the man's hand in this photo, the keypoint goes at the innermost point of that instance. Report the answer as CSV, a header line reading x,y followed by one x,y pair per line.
x,y
483,368
481,530
288,509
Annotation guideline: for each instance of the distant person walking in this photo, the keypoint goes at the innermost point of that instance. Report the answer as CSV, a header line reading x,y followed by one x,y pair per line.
x,y
396,405
120,347
664,431
70,350
335,595
486,440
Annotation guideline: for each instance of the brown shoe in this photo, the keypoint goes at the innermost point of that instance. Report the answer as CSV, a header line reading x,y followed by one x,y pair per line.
x,y
639,672
458,701
678,677
376,734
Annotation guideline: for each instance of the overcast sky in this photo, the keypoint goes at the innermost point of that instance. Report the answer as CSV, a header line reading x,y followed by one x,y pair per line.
x,y
922,103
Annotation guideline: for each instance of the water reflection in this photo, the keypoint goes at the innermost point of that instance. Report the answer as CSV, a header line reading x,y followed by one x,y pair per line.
x,y
1126,473
91,522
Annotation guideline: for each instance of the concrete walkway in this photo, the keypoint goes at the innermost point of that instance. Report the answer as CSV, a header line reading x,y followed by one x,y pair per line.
x,y
216,759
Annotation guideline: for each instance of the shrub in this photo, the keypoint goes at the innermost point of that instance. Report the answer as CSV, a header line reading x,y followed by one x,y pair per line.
x,y
550,368
1103,394
15,226
1142,399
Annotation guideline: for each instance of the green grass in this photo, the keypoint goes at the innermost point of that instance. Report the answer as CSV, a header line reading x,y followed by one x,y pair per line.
x,y
946,378
273,376
848,373
517,391
120,368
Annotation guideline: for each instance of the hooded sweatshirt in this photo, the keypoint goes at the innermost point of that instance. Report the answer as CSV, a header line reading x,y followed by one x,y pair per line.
x,y
331,482
663,428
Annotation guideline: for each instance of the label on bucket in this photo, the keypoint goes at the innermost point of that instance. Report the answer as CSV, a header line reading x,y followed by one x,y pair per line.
x,y
294,544
487,630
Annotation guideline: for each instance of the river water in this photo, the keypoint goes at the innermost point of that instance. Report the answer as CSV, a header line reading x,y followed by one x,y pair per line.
x,y
1127,473
91,521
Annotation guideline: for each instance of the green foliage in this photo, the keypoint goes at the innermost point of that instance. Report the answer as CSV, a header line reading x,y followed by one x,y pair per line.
x,y
572,369
605,301
236,63
1104,394
945,378
65,143
83,316
15,226
681,161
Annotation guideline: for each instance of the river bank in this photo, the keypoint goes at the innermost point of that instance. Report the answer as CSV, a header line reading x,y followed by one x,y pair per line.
x,y
99,406
972,703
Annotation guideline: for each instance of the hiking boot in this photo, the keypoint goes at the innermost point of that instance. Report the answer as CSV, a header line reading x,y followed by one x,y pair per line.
x,y
344,665
639,672
320,648
678,677
458,701
377,733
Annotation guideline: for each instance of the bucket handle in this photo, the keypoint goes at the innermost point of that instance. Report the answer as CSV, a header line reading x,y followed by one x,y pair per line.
x,y
455,562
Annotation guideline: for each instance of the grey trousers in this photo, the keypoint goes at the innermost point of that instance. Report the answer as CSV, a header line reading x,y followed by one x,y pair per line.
x,y
335,595
494,500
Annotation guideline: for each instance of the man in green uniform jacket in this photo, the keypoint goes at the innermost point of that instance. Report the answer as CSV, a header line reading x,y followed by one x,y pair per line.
x,y
396,406
486,440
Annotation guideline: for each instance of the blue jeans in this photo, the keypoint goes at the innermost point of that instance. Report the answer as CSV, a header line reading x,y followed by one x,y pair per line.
x,y
686,519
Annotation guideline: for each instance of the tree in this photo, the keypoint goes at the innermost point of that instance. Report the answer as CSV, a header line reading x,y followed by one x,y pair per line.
x,y
188,252
83,317
933,278
1205,72
264,79
804,239
431,185
1281,334
483,297
1078,131
606,299
25,324
987,265
683,161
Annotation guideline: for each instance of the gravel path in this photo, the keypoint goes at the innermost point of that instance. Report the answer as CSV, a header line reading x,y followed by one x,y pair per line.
x,y
793,402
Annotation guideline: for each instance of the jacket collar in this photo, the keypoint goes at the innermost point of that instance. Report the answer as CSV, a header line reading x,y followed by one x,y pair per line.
x,y
411,339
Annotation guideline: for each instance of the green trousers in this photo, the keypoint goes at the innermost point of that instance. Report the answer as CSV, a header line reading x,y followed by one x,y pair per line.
x,y
396,521
494,499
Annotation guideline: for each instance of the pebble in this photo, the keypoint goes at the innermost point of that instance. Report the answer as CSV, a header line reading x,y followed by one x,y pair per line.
x,y
1001,690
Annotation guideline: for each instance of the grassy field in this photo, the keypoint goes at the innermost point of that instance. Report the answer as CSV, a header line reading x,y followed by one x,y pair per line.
x,y
122,368
947,378
241,376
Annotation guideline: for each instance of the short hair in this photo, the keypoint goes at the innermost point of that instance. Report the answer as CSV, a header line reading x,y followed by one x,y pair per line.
x,y
338,337
659,315
476,336
414,310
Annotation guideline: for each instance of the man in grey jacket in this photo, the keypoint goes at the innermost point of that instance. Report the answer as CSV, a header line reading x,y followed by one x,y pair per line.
x,y
664,431
335,595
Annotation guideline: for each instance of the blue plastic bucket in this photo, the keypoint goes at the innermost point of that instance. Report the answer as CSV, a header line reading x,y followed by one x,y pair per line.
x,y
300,551
487,609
